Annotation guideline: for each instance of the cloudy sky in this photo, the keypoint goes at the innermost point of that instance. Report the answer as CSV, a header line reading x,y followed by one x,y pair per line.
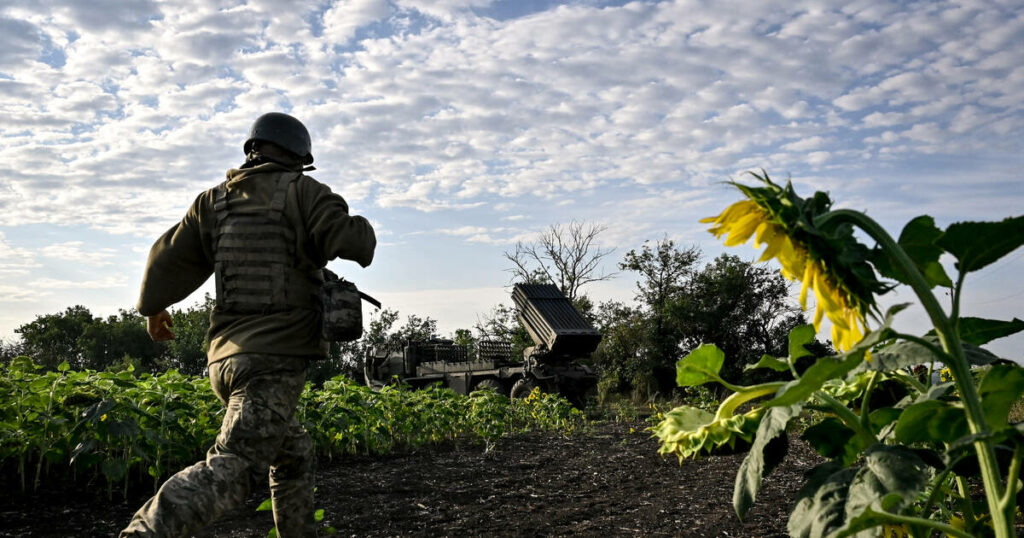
x,y
461,126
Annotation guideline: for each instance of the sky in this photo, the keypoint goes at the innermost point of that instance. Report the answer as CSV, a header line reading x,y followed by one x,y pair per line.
x,y
459,127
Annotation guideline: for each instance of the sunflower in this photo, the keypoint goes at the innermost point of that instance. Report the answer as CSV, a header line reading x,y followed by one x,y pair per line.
x,y
828,262
688,431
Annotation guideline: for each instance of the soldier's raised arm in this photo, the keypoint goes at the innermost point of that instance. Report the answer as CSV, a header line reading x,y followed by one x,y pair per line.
x,y
334,232
178,264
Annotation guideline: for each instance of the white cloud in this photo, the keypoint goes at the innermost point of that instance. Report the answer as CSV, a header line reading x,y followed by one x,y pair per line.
x,y
15,260
345,17
108,282
73,251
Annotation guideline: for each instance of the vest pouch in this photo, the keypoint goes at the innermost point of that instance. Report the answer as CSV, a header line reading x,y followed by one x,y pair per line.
x,y
342,309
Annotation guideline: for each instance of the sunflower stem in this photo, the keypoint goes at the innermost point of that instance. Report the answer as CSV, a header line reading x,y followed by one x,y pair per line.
x,y
848,417
728,406
865,406
950,340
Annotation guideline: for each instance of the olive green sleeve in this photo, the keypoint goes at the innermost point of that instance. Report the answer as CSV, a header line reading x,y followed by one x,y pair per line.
x,y
179,262
334,232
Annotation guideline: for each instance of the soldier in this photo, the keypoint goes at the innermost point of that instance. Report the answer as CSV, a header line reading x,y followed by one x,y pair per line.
x,y
265,233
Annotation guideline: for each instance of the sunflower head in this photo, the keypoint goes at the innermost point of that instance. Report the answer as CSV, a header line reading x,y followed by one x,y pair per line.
x,y
829,262
688,431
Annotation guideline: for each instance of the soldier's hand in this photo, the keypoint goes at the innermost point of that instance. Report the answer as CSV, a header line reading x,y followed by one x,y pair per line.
x,y
159,326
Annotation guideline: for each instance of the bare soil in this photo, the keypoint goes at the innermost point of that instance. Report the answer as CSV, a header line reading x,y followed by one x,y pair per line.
x,y
606,482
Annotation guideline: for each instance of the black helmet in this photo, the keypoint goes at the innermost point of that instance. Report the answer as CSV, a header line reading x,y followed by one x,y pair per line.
x,y
283,130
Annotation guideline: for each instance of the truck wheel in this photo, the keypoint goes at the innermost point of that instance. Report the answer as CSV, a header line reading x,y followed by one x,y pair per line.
x,y
523,387
489,383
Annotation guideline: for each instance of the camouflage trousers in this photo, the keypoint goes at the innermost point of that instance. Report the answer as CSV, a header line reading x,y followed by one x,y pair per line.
x,y
259,433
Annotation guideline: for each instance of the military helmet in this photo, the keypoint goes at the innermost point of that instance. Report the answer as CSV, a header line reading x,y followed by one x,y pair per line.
x,y
283,130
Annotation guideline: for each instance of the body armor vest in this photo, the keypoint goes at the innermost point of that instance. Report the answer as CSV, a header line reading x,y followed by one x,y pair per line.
x,y
254,258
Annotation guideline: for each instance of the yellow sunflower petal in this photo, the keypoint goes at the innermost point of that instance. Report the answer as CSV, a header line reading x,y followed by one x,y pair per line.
x,y
744,228
819,313
806,280
764,233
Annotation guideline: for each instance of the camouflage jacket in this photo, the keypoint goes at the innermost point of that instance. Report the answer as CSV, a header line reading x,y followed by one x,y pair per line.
x,y
182,259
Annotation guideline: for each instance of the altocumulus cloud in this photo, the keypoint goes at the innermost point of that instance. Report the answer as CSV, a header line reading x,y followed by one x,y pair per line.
x,y
434,101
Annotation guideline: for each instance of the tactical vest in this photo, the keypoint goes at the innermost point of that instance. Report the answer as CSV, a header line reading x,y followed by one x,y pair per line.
x,y
254,258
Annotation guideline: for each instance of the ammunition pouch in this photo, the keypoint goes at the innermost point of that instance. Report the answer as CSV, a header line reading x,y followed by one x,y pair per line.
x,y
342,308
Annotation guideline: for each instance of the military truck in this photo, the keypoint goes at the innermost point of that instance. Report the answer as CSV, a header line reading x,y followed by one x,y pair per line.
x,y
562,339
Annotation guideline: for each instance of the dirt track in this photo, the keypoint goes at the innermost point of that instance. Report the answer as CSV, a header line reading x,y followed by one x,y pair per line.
x,y
608,482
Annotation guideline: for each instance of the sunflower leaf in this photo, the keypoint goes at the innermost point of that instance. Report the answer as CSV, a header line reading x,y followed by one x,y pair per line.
x,y
767,361
980,331
700,366
977,244
769,449
918,241
931,421
1001,387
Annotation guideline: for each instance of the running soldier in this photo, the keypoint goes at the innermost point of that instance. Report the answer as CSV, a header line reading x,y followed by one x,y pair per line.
x,y
265,233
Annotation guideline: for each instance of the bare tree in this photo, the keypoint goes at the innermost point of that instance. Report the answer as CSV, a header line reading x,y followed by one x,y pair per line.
x,y
564,255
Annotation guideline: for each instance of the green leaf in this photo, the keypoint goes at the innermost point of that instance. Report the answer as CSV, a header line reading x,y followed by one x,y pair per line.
x,y
122,428
821,502
918,241
977,244
824,369
979,331
769,448
272,533
318,515
96,411
767,361
887,471
799,337
869,519
114,470
700,366
832,439
265,506
85,447
931,421
905,354
1001,387
879,419
833,498
63,367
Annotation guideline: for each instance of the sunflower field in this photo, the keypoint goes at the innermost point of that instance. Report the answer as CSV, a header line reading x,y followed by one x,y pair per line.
x,y
124,430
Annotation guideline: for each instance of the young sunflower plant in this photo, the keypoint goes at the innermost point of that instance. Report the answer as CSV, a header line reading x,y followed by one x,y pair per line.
x,y
908,452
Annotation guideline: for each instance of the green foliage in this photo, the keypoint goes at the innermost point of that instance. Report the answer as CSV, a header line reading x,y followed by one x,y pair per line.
x,y
122,429
742,309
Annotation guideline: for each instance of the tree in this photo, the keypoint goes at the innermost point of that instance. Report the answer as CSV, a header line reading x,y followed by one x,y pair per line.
x,y
743,309
53,338
665,272
623,356
564,255
104,343
9,350
88,342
